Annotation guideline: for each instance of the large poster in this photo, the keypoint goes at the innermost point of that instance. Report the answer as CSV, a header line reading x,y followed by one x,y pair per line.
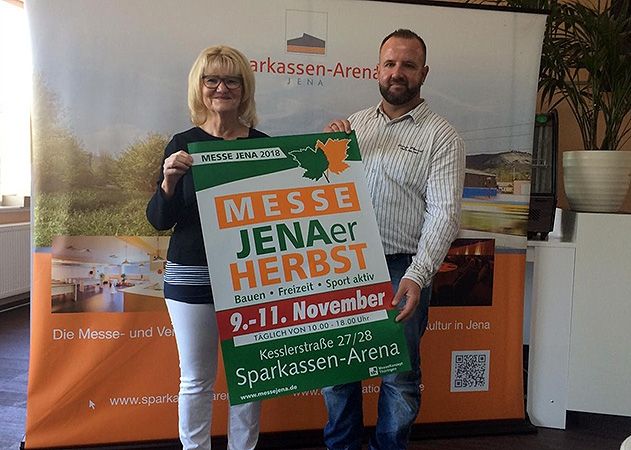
x,y
109,91
301,287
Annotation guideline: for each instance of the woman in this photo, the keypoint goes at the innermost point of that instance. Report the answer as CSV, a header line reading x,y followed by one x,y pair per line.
x,y
221,103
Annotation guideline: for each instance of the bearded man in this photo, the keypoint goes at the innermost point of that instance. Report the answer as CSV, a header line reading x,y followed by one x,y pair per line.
x,y
414,162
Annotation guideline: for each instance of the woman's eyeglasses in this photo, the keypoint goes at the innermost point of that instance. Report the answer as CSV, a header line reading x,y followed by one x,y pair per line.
x,y
213,81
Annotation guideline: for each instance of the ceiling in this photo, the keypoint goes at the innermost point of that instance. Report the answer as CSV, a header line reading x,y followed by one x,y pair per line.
x,y
114,250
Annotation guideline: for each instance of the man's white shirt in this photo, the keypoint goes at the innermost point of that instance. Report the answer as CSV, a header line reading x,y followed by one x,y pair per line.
x,y
415,172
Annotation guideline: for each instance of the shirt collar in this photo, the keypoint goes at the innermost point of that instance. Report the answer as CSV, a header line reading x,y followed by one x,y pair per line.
x,y
415,114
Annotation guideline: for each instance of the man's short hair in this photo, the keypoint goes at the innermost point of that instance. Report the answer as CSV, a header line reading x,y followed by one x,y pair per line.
x,y
404,33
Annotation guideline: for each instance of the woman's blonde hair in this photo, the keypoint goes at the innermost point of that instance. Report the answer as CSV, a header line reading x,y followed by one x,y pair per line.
x,y
228,59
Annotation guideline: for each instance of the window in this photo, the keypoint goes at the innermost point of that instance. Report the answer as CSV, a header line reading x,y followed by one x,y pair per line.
x,y
15,101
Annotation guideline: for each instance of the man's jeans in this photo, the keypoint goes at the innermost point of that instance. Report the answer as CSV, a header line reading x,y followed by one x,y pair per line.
x,y
399,398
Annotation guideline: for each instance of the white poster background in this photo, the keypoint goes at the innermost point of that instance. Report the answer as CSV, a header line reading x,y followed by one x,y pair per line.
x,y
223,246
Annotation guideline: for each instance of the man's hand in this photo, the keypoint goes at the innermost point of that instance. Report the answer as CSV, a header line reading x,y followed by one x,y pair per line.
x,y
338,125
411,290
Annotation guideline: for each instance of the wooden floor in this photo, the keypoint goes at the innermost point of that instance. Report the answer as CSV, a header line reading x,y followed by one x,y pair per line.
x,y
89,301
585,431
14,351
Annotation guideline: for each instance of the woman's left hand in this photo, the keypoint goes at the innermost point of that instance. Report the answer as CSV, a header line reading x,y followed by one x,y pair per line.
x,y
174,167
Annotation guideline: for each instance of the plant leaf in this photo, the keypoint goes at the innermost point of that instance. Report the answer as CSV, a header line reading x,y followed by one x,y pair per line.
x,y
313,161
336,153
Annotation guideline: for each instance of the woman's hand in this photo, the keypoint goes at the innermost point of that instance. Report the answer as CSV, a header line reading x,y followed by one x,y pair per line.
x,y
338,125
173,168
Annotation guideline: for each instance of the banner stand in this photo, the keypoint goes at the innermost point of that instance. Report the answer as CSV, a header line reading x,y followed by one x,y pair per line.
x,y
103,361
311,438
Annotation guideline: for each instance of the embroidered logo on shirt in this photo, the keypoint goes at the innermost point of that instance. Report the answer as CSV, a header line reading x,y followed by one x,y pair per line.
x,y
409,148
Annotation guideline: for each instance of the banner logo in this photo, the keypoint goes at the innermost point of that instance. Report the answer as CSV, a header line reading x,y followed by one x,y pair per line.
x,y
306,32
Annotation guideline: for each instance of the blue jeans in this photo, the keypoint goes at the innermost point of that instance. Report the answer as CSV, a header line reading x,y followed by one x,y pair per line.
x,y
399,397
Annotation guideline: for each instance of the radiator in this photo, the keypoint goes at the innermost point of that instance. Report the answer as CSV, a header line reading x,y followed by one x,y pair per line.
x,y
15,259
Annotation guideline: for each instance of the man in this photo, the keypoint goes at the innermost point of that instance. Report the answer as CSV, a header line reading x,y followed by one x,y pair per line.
x,y
414,162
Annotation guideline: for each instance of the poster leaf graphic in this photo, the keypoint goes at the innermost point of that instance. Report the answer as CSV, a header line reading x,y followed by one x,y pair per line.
x,y
313,161
336,151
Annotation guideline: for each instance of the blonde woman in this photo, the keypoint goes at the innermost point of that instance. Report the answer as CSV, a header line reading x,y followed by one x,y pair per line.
x,y
221,104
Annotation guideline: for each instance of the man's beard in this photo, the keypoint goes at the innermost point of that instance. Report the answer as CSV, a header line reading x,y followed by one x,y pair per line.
x,y
401,98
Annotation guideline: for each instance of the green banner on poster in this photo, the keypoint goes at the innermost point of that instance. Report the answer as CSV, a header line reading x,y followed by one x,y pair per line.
x,y
300,281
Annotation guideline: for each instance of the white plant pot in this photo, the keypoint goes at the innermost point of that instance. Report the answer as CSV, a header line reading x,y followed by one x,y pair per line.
x,y
596,180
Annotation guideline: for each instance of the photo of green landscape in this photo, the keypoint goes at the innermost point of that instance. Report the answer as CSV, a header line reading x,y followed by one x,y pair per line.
x,y
78,192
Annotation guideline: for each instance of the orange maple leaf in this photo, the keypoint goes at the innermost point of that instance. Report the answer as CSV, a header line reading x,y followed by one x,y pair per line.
x,y
335,151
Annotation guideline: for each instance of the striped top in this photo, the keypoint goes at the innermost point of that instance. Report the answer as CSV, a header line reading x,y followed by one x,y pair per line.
x,y
415,173
192,275
190,284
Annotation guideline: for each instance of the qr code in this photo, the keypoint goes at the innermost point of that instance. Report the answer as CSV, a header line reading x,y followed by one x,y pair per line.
x,y
470,370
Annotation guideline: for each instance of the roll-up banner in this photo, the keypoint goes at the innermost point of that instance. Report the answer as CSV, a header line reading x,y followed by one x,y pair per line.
x,y
110,88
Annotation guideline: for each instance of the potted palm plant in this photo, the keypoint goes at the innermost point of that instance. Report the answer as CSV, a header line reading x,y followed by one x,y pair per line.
x,y
586,62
